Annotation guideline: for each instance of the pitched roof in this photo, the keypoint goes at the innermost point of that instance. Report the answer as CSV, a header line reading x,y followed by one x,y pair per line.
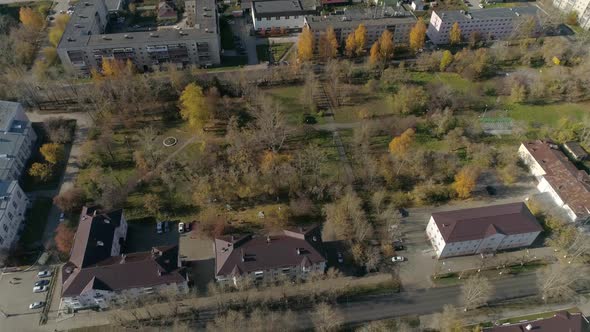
x,y
236,255
571,184
165,10
562,321
94,237
136,270
478,223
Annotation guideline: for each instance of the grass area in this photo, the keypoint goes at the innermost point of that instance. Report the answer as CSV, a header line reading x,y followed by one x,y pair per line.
x,y
272,52
262,53
290,100
35,222
452,79
548,114
227,37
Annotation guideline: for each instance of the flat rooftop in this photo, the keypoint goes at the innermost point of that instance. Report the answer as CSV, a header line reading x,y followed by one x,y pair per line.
x,y
486,13
79,29
277,6
368,16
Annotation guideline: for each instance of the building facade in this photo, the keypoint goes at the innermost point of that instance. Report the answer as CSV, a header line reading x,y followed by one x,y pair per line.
x,y
581,7
397,22
18,140
13,205
557,176
99,275
482,230
292,254
492,23
85,43
284,15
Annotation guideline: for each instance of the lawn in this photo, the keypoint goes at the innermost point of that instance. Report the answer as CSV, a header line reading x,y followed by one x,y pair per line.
x,y
35,222
289,98
276,51
452,79
548,114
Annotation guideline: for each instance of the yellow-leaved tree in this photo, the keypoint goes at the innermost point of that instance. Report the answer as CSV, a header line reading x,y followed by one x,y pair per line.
x,y
360,39
446,60
305,45
55,33
455,34
418,35
54,153
400,145
375,55
386,47
328,48
30,19
193,106
350,45
465,181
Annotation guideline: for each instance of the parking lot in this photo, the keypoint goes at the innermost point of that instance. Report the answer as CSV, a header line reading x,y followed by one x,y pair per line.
x,y
421,262
17,294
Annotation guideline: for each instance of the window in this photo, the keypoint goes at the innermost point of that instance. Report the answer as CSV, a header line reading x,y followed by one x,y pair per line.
x,y
1,240
14,205
5,228
19,194
10,216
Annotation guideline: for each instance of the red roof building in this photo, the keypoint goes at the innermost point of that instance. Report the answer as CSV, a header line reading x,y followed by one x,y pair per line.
x,y
562,321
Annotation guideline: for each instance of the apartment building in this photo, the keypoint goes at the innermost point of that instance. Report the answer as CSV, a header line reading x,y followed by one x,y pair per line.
x,y
98,274
491,23
288,15
13,205
375,19
581,7
86,43
18,140
482,230
292,254
567,186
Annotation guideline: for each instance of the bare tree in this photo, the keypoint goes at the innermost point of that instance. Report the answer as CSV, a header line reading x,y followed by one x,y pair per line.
x,y
449,320
325,318
476,291
271,127
230,321
373,258
556,282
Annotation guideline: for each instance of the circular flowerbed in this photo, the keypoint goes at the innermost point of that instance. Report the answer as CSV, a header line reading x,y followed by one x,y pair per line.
x,y
170,141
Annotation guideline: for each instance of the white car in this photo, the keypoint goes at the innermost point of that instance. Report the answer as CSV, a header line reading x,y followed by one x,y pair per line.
x,y
181,227
398,259
39,289
36,305
44,274
62,217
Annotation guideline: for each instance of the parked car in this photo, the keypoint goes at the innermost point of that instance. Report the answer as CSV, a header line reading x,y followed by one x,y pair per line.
x,y
62,217
398,246
491,190
39,289
166,227
181,227
43,282
403,212
44,274
398,259
159,227
36,305
340,257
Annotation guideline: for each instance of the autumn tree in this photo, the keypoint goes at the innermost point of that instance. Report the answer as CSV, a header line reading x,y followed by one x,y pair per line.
x,y
465,181
409,99
455,34
328,44
446,60
476,291
326,319
153,204
360,39
418,35
70,200
305,45
30,19
400,145
375,55
193,106
55,33
64,238
350,45
449,320
386,46
41,171
54,153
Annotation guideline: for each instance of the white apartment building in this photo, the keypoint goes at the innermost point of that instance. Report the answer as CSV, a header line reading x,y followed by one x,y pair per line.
x,y
18,140
287,15
482,230
567,186
492,23
13,205
293,254
581,7
99,275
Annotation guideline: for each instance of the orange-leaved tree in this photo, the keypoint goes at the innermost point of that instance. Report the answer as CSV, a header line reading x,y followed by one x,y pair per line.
x,y
305,45
30,18
328,47
386,47
360,39
64,238
465,181
374,54
418,35
400,145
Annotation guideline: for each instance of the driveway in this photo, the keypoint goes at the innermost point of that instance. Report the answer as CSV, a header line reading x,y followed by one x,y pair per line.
x,y
241,28
83,123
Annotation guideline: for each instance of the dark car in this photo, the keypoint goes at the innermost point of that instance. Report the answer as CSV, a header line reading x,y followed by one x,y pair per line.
x,y
403,212
398,246
491,190
166,227
43,282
